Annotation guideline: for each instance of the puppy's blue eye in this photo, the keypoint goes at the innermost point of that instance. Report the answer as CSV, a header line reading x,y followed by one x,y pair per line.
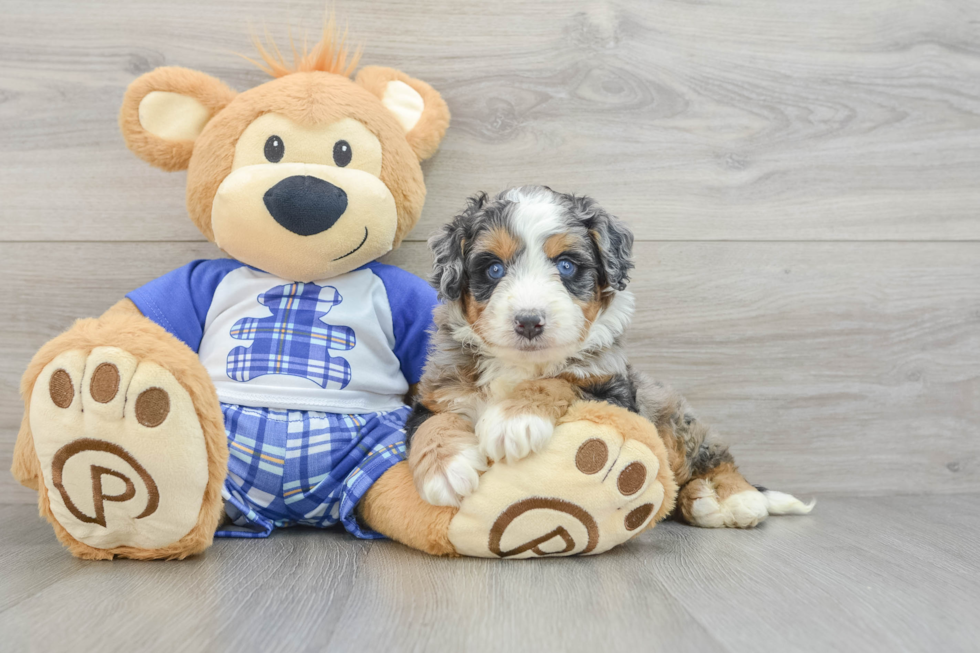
x,y
566,268
496,271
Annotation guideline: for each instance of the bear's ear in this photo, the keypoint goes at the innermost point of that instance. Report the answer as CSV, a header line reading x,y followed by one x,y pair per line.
x,y
420,110
165,110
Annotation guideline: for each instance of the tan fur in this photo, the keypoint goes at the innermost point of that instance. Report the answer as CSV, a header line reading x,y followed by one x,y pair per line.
x,y
474,311
547,398
393,507
308,93
590,311
427,133
500,242
728,480
631,426
440,397
413,391
307,98
676,455
168,155
122,326
691,492
558,244
329,55
437,441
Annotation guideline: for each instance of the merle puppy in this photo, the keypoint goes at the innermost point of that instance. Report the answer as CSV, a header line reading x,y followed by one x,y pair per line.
x,y
535,305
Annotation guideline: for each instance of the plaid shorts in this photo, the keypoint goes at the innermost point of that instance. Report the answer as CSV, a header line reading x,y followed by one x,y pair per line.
x,y
293,467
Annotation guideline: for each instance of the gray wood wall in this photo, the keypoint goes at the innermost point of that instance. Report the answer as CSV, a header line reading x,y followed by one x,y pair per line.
x,y
803,179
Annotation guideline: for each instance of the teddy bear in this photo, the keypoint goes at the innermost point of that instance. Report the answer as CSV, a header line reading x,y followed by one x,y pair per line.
x,y
236,396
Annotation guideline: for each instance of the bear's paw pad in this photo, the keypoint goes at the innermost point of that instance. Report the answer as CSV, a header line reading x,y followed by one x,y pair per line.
x,y
587,491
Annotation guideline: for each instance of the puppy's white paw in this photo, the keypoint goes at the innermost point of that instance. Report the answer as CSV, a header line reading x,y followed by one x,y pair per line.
x,y
513,437
747,509
458,478
706,512
740,510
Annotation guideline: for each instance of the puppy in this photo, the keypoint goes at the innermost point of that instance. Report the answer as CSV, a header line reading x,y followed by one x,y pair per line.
x,y
533,284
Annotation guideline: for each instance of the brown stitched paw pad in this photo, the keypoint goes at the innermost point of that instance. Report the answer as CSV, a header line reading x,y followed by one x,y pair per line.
x,y
104,383
152,407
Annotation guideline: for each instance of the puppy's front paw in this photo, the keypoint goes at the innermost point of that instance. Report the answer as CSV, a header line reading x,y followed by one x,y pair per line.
x,y
512,437
448,483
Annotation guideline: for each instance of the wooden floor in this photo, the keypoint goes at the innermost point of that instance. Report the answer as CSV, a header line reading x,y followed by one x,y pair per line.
x,y
860,574
804,182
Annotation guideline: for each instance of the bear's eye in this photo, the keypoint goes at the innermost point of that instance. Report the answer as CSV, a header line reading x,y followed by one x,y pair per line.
x,y
342,153
274,149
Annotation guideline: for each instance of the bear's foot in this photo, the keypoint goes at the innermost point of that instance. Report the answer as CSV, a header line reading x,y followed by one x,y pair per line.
x,y
602,479
121,450
124,444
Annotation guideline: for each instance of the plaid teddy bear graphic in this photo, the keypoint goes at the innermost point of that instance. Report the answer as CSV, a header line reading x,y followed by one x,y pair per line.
x,y
293,340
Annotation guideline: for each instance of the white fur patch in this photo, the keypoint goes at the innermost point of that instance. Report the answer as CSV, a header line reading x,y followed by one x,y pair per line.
x,y
741,510
707,513
746,509
458,479
511,438
780,503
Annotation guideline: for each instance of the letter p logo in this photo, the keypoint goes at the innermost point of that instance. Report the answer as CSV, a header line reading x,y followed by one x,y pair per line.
x,y
98,473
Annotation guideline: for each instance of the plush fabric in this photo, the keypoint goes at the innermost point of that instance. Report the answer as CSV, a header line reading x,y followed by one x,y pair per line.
x,y
306,178
169,155
128,449
176,118
428,130
602,479
309,468
125,328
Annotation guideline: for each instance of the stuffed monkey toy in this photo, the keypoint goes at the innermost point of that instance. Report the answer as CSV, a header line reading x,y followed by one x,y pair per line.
x,y
240,395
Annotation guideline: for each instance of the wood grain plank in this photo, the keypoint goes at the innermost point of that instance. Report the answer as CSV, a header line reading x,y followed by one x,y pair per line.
x,y
858,574
830,367
719,121
31,559
239,596
577,605
828,581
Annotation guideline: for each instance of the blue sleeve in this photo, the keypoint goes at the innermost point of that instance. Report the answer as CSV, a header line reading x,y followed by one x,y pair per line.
x,y
411,300
179,300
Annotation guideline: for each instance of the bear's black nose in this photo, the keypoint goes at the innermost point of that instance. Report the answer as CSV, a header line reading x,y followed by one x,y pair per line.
x,y
305,205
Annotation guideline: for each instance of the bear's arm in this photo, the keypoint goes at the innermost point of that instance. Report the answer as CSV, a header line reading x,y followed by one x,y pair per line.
x,y
179,300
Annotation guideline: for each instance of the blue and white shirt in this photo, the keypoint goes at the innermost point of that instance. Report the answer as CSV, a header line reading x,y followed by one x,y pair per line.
x,y
349,344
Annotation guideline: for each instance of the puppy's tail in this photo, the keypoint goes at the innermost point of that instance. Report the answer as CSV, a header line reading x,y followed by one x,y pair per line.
x,y
780,503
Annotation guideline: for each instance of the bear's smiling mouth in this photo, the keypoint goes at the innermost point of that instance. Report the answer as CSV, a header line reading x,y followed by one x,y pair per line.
x,y
363,240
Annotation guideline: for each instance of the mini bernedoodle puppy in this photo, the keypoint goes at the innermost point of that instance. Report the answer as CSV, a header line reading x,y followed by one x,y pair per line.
x,y
535,306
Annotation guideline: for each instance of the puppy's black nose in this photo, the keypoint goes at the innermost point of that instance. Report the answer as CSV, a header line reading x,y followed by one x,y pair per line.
x,y
529,326
305,205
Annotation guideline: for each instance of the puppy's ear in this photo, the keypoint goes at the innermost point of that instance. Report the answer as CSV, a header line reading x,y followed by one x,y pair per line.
x,y
165,110
449,252
419,108
613,240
